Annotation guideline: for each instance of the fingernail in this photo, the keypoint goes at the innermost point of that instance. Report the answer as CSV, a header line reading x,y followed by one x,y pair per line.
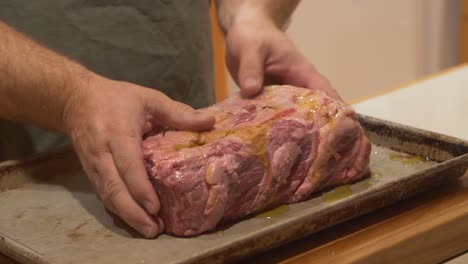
x,y
151,208
161,225
198,113
150,231
251,83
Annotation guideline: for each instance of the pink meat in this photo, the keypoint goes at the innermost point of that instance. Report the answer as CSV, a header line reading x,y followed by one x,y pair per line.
x,y
274,149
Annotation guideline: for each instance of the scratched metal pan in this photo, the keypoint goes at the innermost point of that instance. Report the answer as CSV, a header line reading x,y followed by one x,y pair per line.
x,y
49,214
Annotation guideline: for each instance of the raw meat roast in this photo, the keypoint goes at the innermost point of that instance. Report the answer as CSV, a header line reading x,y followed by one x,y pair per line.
x,y
274,149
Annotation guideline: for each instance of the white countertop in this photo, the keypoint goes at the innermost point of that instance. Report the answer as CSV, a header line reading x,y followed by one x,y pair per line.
x,y
438,103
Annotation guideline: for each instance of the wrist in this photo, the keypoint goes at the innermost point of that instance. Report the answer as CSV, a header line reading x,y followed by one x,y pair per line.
x,y
248,16
80,89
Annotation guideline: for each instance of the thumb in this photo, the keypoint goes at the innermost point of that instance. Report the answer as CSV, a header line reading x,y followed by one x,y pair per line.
x,y
308,77
250,74
177,115
319,82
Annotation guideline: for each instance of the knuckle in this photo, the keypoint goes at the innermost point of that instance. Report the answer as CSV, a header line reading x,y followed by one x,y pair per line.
x,y
110,190
124,165
142,196
157,93
160,97
183,108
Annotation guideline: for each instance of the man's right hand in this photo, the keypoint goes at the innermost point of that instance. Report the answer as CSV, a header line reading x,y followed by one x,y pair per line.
x,y
106,121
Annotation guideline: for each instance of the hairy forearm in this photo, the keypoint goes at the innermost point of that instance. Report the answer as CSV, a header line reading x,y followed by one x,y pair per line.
x,y
273,11
35,83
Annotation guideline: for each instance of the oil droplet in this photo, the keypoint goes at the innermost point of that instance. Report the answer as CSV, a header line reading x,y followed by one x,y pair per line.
x,y
268,89
367,184
408,160
371,181
337,194
220,233
194,142
278,211
307,102
19,215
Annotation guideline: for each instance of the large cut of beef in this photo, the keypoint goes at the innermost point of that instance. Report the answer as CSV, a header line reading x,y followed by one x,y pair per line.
x,y
274,149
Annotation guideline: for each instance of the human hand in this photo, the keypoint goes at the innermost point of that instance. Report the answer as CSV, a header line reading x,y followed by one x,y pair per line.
x,y
259,54
106,122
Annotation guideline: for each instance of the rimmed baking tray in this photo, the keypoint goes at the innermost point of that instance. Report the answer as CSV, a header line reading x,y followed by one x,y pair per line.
x,y
49,213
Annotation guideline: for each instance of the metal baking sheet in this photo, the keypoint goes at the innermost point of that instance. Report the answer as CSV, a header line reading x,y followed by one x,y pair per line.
x,y
49,213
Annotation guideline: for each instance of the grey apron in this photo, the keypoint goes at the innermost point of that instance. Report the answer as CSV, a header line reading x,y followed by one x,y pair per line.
x,y
161,44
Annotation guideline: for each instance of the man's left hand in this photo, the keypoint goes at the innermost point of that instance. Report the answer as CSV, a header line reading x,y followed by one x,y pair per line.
x,y
259,54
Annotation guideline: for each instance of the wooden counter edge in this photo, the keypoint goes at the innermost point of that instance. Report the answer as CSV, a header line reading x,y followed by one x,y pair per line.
x,y
433,230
